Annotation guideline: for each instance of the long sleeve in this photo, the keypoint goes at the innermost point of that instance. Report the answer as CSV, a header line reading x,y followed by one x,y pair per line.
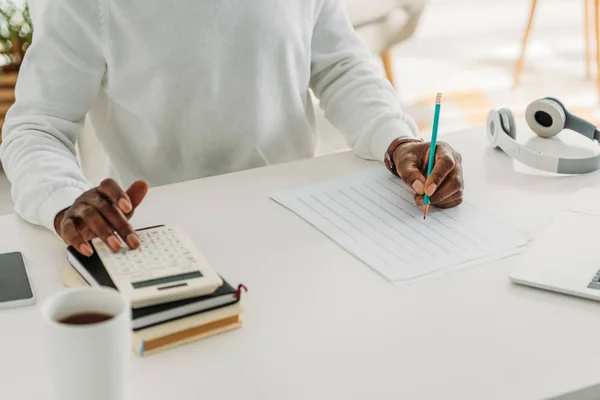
x,y
353,93
58,81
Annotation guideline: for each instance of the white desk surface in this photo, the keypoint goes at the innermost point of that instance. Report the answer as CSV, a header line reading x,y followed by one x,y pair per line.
x,y
321,325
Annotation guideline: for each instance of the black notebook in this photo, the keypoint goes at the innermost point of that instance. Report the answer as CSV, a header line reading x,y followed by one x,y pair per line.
x,y
93,272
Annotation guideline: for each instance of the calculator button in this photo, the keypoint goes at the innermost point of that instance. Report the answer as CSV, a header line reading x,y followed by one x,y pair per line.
x,y
124,268
139,277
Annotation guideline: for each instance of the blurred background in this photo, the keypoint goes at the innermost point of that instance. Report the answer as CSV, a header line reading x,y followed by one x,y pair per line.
x,y
474,51
470,50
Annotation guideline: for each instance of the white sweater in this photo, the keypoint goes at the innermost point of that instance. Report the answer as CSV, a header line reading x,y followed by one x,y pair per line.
x,y
187,89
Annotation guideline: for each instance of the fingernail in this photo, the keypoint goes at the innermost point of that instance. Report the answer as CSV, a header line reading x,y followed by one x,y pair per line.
x,y
124,205
133,241
418,187
431,189
114,243
85,249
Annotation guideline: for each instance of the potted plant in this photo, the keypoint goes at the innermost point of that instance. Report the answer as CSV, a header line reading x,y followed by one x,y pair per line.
x,y
16,34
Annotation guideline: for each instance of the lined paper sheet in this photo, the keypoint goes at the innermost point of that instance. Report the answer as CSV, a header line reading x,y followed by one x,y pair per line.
x,y
373,215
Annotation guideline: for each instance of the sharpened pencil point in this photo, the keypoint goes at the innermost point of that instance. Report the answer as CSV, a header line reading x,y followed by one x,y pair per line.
x,y
425,209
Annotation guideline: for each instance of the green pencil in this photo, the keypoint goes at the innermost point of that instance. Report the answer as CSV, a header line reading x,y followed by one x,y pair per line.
x,y
436,121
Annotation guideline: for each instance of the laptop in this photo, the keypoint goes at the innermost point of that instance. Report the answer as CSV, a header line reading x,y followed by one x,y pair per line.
x,y
566,258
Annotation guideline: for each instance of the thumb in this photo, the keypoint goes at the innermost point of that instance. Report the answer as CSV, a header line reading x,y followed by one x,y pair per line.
x,y
444,164
136,192
412,176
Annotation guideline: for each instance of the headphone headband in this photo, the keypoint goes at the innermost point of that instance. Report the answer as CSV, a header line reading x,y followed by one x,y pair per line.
x,y
501,133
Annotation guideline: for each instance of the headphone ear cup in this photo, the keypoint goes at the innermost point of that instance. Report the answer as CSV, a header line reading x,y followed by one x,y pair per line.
x,y
500,123
509,124
546,117
492,127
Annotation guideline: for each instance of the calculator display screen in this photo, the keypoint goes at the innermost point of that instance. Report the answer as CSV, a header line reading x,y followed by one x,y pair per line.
x,y
166,279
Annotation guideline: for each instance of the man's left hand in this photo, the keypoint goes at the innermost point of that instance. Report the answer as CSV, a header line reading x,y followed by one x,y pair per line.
x,y
445,184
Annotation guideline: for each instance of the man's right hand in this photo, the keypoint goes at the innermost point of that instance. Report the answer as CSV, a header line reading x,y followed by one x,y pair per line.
x,y
100,212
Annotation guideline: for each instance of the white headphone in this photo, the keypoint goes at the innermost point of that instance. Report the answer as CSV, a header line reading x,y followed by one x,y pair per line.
x,y
546,117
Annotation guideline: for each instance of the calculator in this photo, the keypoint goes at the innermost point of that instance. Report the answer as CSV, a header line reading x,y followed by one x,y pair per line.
x,y
166,267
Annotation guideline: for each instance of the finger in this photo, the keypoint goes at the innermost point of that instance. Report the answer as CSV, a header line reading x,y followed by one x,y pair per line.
x,y
449,187
411,175
450,199
113,192
451,204
72,237
86,232
444,164
117,221
136,192
95,221
419,200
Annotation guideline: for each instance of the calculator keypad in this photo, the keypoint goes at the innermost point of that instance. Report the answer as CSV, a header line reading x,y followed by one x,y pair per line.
x,y
161,248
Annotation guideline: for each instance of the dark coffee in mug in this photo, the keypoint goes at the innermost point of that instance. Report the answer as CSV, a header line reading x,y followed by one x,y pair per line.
x,y
85,318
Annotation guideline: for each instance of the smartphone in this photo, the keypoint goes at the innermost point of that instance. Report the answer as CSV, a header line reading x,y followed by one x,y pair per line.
x,y
15,287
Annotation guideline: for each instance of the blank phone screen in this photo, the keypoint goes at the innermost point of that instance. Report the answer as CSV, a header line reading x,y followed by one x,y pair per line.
x,y
14,284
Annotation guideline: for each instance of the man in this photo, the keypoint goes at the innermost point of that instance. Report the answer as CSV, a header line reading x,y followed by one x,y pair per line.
x,y
178,91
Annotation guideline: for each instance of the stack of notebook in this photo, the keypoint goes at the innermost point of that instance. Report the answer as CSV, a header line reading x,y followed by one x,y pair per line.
x,y
163,326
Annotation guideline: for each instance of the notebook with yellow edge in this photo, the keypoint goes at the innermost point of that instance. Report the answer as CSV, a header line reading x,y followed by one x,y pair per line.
x,y
174,333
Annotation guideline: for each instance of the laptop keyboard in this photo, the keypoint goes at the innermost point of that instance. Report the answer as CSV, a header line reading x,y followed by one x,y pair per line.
x,y
595,283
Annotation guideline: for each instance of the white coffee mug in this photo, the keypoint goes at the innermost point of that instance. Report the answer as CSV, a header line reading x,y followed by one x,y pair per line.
x,y
92,361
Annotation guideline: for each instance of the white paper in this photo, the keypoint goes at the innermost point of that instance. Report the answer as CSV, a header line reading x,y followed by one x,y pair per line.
x,y
373,215
585,201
